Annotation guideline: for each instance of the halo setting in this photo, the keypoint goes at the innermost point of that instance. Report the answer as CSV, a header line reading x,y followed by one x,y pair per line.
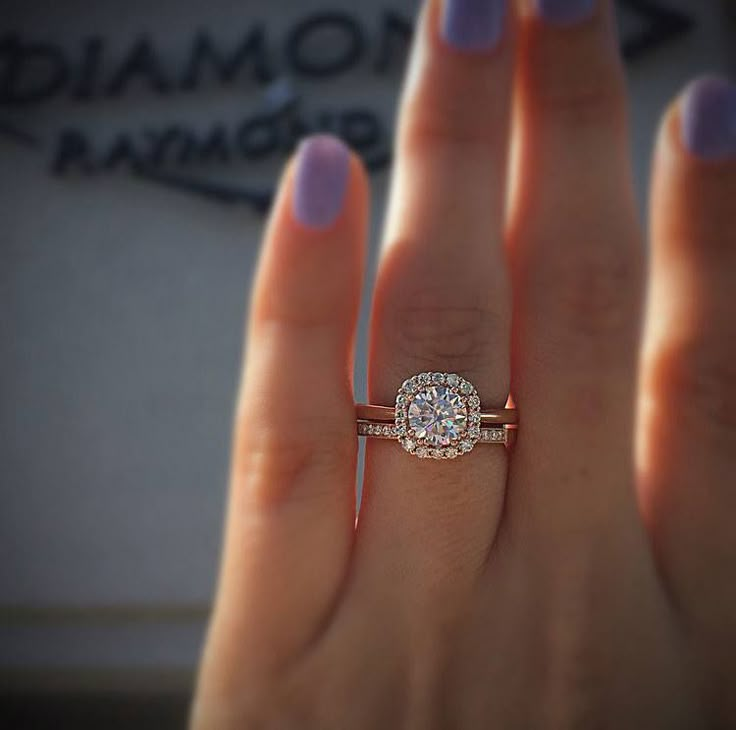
x,y
438,416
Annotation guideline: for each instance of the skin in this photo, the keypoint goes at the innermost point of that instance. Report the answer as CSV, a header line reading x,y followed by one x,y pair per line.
x,y
582,580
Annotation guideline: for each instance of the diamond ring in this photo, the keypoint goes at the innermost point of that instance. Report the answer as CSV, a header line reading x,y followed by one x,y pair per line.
x,y
437,416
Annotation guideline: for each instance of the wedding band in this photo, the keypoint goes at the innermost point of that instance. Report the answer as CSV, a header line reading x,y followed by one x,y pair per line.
x,y
437,416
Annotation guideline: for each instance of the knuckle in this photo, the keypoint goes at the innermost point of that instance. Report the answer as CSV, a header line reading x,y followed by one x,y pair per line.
x,y
458,336
307,317
701,379
431,132
583,98
596,302
301,462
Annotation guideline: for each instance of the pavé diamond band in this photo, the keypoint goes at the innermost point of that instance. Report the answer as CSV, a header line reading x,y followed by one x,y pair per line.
x,y
437,416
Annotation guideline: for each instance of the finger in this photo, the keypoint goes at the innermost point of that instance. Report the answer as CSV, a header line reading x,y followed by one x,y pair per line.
x,y
292,504
441,300
688,455
576,263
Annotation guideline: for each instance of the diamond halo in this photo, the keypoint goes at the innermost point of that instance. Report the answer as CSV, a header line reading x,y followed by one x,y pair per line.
x,y
437,416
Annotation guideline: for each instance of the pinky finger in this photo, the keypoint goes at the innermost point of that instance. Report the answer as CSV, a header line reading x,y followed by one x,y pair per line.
x,y
291,514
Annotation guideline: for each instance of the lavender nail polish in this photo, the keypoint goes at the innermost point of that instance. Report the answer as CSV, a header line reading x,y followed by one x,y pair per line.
x,y
321,178
473,25
565,12
709,118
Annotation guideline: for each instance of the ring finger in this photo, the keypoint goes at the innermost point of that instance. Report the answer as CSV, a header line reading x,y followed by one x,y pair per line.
x,y
442,299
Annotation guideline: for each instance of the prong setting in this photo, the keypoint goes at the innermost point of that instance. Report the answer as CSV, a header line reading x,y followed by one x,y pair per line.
x,y
437,416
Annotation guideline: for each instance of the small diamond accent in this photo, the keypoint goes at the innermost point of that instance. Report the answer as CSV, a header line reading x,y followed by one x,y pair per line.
x,y
453,380
496,435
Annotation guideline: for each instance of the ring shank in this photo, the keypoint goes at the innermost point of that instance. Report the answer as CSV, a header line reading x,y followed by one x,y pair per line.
x,y
387,414
496,434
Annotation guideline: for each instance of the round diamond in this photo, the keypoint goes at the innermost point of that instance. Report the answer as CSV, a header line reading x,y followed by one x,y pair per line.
x,y
437,415
453,380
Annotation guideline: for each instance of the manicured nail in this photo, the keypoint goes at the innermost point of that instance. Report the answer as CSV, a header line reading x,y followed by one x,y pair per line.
x,y
709,118
321,180
473,25
565,12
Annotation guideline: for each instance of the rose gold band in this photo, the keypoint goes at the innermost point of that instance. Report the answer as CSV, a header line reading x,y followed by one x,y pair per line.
x,y
387,414
497,434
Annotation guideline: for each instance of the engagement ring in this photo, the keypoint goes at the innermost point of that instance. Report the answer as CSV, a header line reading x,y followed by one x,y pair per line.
x,y
437,416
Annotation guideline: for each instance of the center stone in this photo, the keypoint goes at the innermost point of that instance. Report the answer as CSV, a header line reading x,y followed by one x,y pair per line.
x,y
437,415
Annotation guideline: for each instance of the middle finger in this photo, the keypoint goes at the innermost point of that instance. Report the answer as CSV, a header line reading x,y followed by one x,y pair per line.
x,y
442,299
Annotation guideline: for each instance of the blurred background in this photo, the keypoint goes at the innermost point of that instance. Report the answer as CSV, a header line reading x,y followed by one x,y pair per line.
x,y
139,147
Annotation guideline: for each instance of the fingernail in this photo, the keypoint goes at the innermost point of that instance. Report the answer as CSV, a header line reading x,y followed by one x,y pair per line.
x,y
473,25
709,118
565,12
321,180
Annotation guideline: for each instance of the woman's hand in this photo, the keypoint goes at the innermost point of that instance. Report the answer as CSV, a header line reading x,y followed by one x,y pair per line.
x,y
586,578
